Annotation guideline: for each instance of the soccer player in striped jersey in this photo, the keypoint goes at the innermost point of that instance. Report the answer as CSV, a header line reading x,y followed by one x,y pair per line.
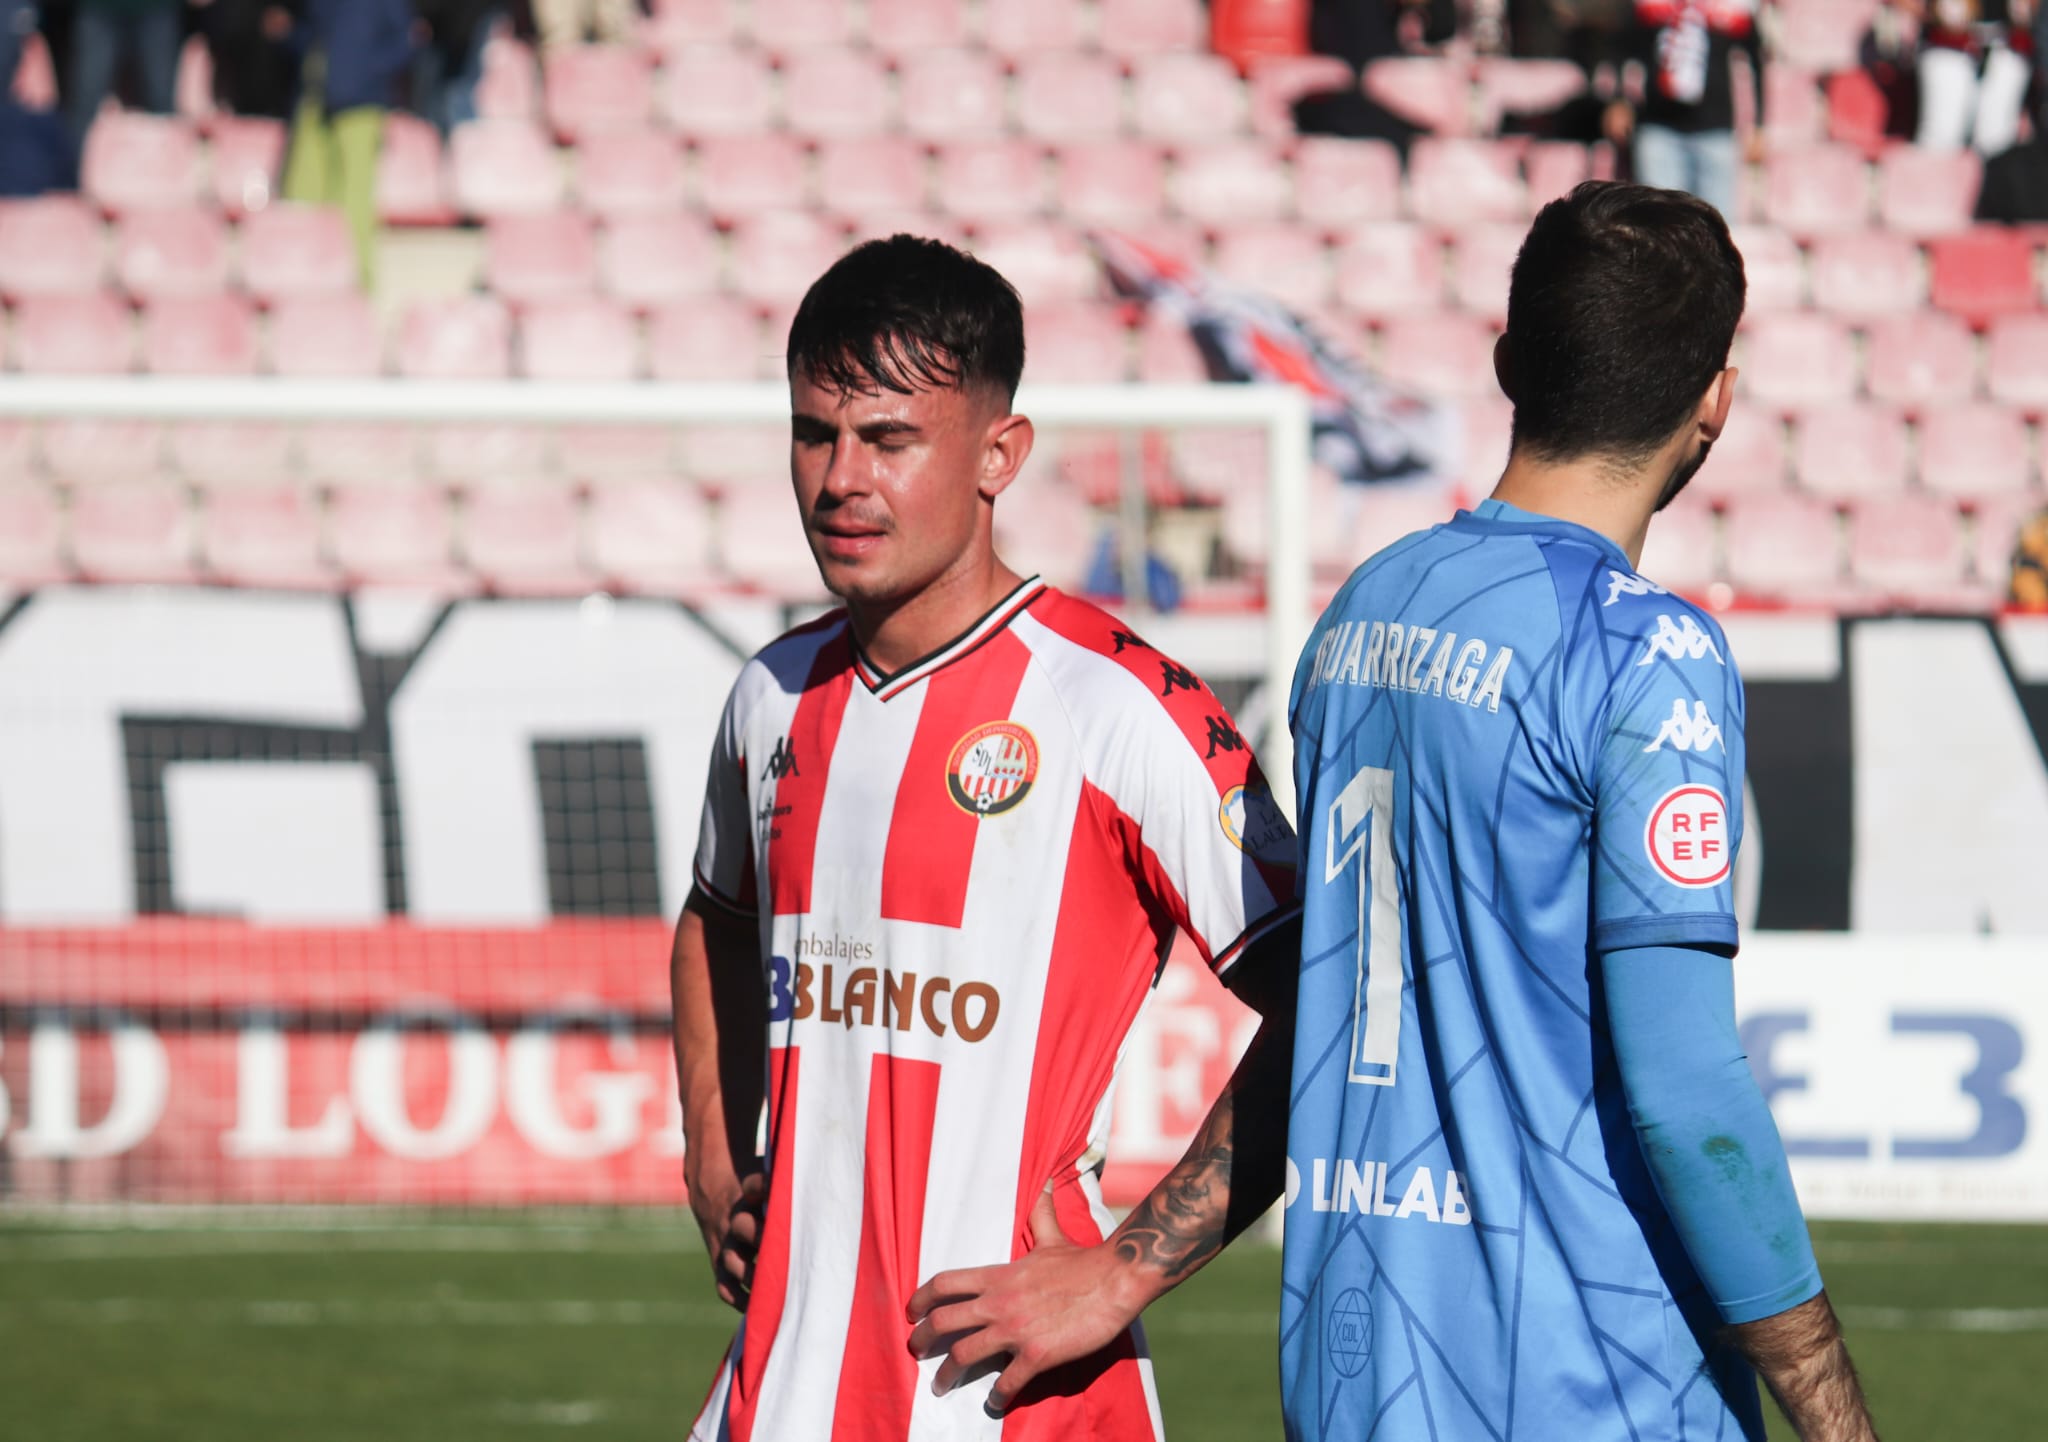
x,y
949,833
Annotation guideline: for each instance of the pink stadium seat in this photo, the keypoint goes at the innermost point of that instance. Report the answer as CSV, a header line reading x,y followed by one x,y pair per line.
x,y
740,175
898,25
1817,190
530,258
1795,112
991,180
325,335
651,535
90,450
466,339
650,260
355,453
140,162
1748,458
761,545
1186,98
1921,361
776,257
265,536
1076,344
1909,546
2016,362
509,88
1927,192
1823,35
835,92
1982,274
872,174
1047,263
590,89
952,95
412,174
50,245
1482,256
1850,451
73,335
132,530
1020,30
1278,259
716,90
1528,87
606,452
1167,354
1339,183
1795,359
178,250
786,26
392,534
485,454
1455,183
1975,450
1387,270
578,339
1068,95
708,340
1682,552
31,535
1554,167
248,157
678,25
1047,527
1773,266
1144,27
1429,91
297,250
1111,182
1857,112
1445,355
227,454
733,460
1391,512
501,167
18,441
1278,82
1867,273
630,172
1231,182
1782,544
199,335
525,541
1488,427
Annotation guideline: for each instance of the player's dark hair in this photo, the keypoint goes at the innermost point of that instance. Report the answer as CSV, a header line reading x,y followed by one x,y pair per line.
x,y
1621,311
908,314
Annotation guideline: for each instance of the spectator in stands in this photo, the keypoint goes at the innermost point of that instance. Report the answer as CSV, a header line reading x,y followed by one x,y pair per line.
x,y
35,150
450,63
571,22
1974,67
106,33
255,68
357,51
1684,131
2029,587
17,23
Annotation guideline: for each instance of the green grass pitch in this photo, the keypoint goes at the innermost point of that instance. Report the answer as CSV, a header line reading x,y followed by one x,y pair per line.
x,y
222,1329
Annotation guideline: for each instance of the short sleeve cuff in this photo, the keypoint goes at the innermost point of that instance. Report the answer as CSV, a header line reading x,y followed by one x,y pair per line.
x,y
1769,1304
1265,925
719,898
1708,928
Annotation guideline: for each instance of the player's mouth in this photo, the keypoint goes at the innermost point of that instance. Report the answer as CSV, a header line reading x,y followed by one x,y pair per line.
x,y
848,540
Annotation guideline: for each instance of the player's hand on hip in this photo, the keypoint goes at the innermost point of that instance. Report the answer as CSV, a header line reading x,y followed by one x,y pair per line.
x,y
1057,1303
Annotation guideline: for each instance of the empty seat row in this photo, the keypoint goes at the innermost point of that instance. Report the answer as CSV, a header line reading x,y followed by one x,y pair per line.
x,y
1918,361
56,245
1120,26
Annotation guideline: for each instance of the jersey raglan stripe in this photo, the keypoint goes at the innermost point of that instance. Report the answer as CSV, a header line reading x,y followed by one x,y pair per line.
x,y
813,734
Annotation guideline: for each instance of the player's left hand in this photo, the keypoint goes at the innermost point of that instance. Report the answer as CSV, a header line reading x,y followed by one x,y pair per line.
x,y
1056,1303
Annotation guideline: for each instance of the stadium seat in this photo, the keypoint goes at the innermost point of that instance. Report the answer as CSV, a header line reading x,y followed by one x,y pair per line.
x,y
1773,266
177,250
465,339
579,338
630,173
952,95
412,173
731,459
1822,35
1387,513
525,541
199,335
898,25
1456,183
360,453
1147,27
776,257
652,536
1482,256
1908,546
530,258
72,335
1920,361
247,154
395,534
1927,192
1167,354
1047,263
1554,167
716,90
679,25
1339,183
1867,273
1019,30
326,336
760,543
741,175
1442,355
134,161
501,167
265,536
1525,87
50,245
708,340
1111,182
1982,274
1385,270
607,452
590,89
1231,183
1747,459
133,529
1068,95
482,454
1817,190
872,174
1076,345
297,250
509,88
1857,111
1795,112
1973,451
1049,529
1781,544
789,26
1796,359
1277,259
1488,424
227,454
991,180
836,93
92,449
2016,362
1682,551
652,260
1850,451
1429,91
31,535
1186,97
1280,82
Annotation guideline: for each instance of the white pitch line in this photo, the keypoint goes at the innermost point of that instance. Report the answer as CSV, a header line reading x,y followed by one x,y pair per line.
x,y
1951,1319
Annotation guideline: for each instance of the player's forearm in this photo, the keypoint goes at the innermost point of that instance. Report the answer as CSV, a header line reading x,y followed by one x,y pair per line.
x,y
1801,1357
719,1035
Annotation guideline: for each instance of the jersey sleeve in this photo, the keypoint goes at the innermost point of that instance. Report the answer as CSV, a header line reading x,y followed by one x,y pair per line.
x,y
725,842
1667,756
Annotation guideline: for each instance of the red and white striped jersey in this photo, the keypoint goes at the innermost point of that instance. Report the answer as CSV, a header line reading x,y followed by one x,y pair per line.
x,y
966,877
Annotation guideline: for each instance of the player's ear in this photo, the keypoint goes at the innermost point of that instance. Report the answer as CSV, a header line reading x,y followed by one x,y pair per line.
x,y
1503,366
1005,448
1713,413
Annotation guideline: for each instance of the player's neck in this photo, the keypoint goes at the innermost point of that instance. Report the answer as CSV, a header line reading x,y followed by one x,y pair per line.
x,y
1588,492
894,634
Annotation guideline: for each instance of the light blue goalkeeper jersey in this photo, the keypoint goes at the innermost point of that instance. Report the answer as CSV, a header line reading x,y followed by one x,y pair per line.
x,y
1513,754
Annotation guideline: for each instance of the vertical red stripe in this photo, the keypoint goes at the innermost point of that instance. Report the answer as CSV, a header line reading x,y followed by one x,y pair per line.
x,y
771,1263
813,732
931,836
878,1376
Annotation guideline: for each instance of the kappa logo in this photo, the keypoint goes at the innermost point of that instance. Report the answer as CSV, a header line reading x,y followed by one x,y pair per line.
x,y
991,768
1621,583
1687,732
1681,641
1125,639
781,761
1222,737
1177,677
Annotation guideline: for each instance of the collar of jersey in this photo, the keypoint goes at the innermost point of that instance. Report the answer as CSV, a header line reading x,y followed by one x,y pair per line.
x,y
972,639
1500,515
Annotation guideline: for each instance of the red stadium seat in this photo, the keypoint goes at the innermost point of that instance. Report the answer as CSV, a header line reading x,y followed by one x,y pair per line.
x,y
952,95
178,250
525,541
540,257
1749,457
466,339
141,162
401,535
133,529
1068,95
716,90
1186,98
1231,183
786,26
1482,256
297,250
581,338
50,245
630,172
1277,259
31,535
265,536
509,88
1817,190
1682,551
227,454
1145,27
1795,112
2016,362
73,335
1111,182
708,340
248,158
1554,168
679,25
776,257
1456,183
991,180
1982,274
1773,266
1909,546
1921,361
1927,192
1338,183
1781,544
591,89
1857,111
412,174
836,93
480,455
325,335
1047,263
1446,355
1387,270
651,535
1076,344
90,450
653,260
1795,359
1868,273
1975,450
1019,30
872,174
1431,92
741,175
898,25
199,335
604,452
501,167
1822,35
1850,451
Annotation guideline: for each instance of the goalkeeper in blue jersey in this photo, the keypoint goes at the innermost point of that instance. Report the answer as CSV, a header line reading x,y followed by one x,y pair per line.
x,y
1533,1193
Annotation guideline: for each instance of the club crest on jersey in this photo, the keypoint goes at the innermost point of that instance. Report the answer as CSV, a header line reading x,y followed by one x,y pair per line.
x,y
1254,824
992,768
1687,838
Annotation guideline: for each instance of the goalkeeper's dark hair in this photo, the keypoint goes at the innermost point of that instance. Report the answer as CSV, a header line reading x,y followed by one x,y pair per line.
x,y
908,314
1621,310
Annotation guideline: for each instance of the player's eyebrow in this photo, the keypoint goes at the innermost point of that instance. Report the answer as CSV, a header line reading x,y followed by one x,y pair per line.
x,y
875,430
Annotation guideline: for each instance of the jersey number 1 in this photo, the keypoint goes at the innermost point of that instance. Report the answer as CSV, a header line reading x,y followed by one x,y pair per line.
x,y
1362,826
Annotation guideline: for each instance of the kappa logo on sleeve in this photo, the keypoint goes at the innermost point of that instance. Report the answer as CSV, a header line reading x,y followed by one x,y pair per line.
x,y
1687,838
1621,583
1681,641
1687,731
